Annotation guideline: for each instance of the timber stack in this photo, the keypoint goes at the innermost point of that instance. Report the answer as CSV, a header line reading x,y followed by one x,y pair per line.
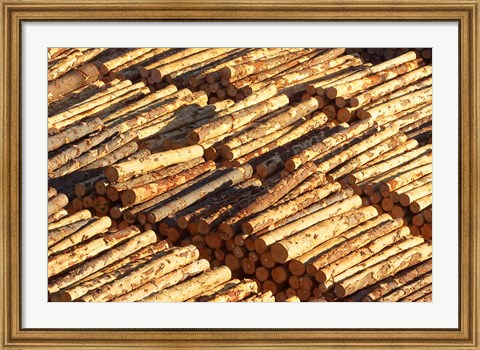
x,y
240,175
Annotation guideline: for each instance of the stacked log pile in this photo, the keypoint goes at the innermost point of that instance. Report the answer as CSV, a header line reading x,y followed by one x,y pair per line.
x,y
242,175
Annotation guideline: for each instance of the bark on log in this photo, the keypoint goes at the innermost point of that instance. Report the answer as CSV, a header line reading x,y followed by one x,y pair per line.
x,y
264,297
270,216
71,81
406,198
280,189
158,266
232,177
61,262
407,177
408,289
324,210
90,268
166,281
384,269
235,120
240,291
126,170
73,134
421,203
56,203
323,146
193,287
57,216
85,233
57,234
143,193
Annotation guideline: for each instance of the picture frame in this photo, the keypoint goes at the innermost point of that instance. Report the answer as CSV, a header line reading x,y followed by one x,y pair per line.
x,y
466,336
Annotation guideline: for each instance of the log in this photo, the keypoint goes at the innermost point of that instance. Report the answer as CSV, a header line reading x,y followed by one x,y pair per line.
x,y
230,178
325,269
143,193
61,262
422,295
210,293
408,289
81,215
51,192
123,152
90,268
279,122
56,203
59,233
323,146
270,216
398,280
74,79
194,286
367,156
421,203
240,291
386,132
130,55
73,133
57,216
168,57
91,157
375,170
406,146
407,177
299,243
398,104
235,120
383,269
85,233
298,266
263,297
325,209
280,189
390,86
166,281
160,265
126,170
407,197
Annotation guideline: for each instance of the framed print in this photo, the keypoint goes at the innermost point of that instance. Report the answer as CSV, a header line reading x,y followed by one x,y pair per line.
x,y
239,175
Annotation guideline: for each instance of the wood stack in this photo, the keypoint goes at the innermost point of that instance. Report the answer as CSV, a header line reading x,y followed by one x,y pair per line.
x,y
378,55
171,193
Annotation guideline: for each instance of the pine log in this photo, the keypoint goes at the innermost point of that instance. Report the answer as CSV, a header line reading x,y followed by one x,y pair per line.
x,y
160,265
407,197
230,178
323,146
73,133
90,157
78,216
235,120
280,189
167,58
193,287
322,211
264,297
61,262
298,266
400,279
71,81
404,147
56,235
406,292
126,170
383,269
325,269
421,203
166,281
407,177
56,203
391,163
270,216
238,292
367,156
92,229
90,268
57,216
143,193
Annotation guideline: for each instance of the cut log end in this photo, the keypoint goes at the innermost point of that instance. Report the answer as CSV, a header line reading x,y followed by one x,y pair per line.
x,y
279,253
111,173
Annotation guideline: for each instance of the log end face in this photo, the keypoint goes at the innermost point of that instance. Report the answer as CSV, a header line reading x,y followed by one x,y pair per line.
x,y
111,173
260,246
279,253
321,276
290,165
247,228
339,291
61,297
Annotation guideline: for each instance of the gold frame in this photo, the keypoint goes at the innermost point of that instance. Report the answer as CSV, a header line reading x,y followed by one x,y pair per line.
x,y
465,13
